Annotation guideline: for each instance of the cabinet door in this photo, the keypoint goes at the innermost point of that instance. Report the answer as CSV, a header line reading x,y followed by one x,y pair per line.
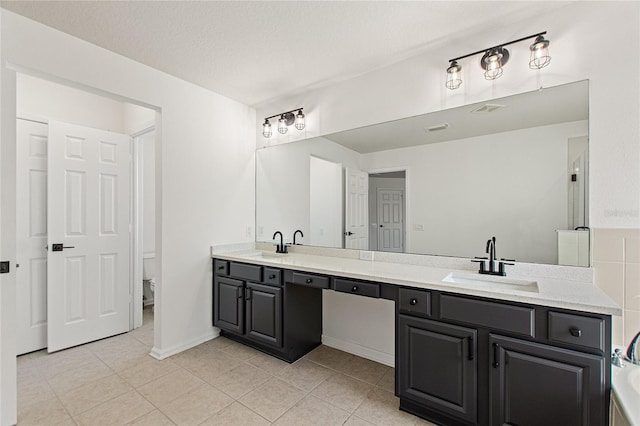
x,y
264,314
228,304
539,385
438,367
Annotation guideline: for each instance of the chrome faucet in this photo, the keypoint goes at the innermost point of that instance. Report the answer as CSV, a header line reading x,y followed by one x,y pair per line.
x,y
633,351
491,251
280,248
294,236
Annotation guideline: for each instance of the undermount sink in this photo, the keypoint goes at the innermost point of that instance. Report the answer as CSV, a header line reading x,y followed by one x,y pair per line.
x,y
265,255
492,282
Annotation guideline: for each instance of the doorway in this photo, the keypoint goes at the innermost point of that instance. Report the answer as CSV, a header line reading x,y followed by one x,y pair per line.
x,y
75,297
387,210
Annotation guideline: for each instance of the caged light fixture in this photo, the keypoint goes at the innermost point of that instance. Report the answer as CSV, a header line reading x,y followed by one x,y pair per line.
x,y
494,59
285,120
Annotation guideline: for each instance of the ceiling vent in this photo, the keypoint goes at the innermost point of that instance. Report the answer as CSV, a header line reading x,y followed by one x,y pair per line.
x,y
487,108
437,127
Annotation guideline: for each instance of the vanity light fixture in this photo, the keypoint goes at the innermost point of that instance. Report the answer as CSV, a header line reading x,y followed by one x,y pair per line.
x,y
285,119
494,59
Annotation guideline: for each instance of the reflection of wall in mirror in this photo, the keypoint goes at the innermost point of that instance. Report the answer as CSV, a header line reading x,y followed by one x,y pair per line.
x,y
283,182
512,185
325,198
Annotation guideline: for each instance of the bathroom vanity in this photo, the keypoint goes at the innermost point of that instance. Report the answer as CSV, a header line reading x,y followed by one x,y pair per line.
x,y
468,350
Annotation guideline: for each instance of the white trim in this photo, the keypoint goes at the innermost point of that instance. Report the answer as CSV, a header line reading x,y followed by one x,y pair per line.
x,y
166,353
147,127
361,351
32,117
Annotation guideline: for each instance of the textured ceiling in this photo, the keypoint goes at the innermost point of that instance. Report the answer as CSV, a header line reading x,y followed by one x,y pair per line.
x,y
254,51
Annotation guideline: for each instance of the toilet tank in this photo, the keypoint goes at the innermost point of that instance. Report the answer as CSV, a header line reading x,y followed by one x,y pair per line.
x,y
148,266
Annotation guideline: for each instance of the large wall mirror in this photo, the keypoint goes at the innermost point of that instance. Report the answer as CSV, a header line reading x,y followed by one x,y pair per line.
x,y
442,183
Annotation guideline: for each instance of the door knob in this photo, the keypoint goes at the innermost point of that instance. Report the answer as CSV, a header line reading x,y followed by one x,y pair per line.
x,y
348,233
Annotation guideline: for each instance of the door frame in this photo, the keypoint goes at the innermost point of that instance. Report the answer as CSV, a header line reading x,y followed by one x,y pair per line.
x,y
137,217
8,116
407,199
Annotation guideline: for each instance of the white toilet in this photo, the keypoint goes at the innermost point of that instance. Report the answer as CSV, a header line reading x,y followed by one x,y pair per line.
x,y
148,275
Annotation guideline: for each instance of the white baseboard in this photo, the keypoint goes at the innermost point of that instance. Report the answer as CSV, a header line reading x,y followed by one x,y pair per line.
x,y
362,351
158,353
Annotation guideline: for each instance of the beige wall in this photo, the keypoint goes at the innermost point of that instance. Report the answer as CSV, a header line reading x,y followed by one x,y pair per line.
x,y
616,264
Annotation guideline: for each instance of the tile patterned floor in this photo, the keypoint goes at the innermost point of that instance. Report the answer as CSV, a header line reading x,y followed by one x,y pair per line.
x,y
220,382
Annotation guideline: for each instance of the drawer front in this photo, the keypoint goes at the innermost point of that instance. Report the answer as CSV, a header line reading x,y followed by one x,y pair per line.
x,y
273,276
496,316
415,301
221,267
577,330
245,271
310,280
356,287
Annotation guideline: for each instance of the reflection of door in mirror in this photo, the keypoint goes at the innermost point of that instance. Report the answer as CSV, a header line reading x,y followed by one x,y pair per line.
x,y
390,222
325,203
356,233
578,181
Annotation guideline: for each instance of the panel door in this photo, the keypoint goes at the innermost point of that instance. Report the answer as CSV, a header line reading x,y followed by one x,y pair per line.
x,y
356,210
438,367
88,214
539,385
264,314
31,236
228,304
390,220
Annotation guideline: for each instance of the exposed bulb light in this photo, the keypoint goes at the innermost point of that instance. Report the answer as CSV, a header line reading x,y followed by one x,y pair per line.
x,y
285,119
494,59
300,120
266,129
539,53
282,125
492,62
454,78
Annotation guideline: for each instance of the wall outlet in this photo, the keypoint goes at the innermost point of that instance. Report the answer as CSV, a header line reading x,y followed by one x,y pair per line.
x,y
366,255
418,227
248,232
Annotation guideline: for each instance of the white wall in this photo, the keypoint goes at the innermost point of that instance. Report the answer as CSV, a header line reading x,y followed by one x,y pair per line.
x,y
38,98
282,191
204,161
578,31
456,185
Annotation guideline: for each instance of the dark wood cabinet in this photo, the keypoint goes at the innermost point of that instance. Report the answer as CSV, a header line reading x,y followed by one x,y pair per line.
x,y
477,361
438,366
538,385
267,308
228,311
264,314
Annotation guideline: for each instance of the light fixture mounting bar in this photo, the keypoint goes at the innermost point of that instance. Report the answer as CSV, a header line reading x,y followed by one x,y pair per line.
x,y
495,47
282,113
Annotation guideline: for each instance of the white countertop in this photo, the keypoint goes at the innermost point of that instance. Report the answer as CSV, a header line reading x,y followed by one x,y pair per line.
x,y
551,292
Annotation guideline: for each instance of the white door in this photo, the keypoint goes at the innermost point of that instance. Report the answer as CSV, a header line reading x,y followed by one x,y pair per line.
x,y
88,214
31,236
356,235
390,220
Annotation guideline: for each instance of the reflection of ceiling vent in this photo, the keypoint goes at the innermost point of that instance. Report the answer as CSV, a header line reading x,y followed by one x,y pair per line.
x,y
487,108
437,127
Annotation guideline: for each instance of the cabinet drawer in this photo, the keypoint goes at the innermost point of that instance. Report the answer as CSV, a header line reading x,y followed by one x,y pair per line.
x,y
244,271
221,267
496,316
273,276
310,280
415,301
576,330
356,287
